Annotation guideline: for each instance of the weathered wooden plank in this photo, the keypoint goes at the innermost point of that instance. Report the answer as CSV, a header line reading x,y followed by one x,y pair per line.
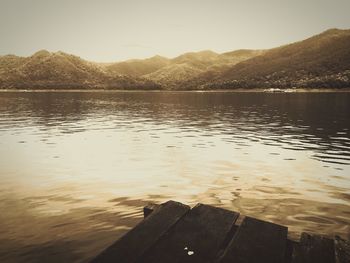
x,y
139,239
257,241
289,250
342,250
148,209
196,238
314,249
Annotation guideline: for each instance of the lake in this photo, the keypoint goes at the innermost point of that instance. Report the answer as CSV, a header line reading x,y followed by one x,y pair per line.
x,y
76,168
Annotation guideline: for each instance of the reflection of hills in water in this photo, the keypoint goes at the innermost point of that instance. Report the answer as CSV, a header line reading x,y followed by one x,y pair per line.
x,y
318,123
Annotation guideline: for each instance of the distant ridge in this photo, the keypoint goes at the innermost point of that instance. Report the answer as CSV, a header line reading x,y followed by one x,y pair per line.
x,y
58,70
321,61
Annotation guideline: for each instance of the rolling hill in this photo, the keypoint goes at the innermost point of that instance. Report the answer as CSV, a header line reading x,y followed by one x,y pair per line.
x,y
46,70
321,61
137,67
181,70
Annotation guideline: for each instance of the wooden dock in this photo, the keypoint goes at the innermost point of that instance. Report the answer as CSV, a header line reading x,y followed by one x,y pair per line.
x,y
174,233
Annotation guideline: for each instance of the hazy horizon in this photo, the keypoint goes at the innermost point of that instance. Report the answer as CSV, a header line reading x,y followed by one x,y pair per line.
x,y
110,31
137,58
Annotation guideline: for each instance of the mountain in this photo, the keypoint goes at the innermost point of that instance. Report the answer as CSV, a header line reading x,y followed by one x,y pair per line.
x,y
182,69
46,70
321,61
137,67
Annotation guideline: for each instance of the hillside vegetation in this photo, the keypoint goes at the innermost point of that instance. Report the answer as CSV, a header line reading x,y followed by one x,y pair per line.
x,y
45,70
322,61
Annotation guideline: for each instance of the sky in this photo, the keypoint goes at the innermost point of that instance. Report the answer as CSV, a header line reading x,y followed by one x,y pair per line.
x,y
115,30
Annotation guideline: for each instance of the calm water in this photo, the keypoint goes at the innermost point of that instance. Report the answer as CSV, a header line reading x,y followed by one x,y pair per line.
x,y
77,168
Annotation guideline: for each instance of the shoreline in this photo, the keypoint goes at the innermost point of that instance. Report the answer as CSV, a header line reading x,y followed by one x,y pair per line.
x,y
260,90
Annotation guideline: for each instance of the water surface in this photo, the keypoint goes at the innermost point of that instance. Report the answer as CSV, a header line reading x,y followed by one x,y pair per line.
x,y
76,168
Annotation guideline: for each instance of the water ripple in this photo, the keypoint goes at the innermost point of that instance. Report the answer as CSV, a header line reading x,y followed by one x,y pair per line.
x,y
81,165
